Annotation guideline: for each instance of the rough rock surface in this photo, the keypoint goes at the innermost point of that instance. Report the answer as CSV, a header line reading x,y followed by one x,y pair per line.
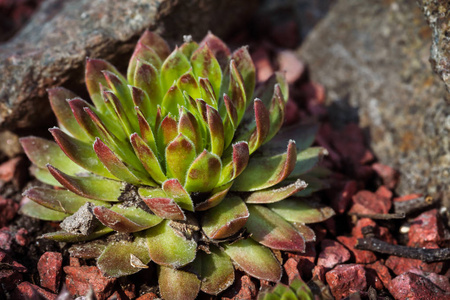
x,y
51,49
377,62
437,14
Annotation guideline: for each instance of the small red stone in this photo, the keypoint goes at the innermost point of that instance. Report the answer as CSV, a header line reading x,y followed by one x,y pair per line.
x,y
366,202
382,272
6,239
290,266
11,277
79,279
8,210
289,63
305,261
441,281
383,191
243,289
389,176
262,63
148,296
319,273
332,253
426,230
361,223
74,262
50,270
361,256
8,168
26,290
21,237
400,265
414,287
346,279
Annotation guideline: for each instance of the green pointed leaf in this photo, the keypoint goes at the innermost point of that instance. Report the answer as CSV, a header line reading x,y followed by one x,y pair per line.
x,y
147,79
77,106
122,258
206,65
262,126
165,208
217,195
173,68
207,92
43,175
308,234
90,187
236,164
302,211
169,248
203,175
189,127
142,53
244,64
58,100
264,172
306,160
88,250
177,284
167,131
271,230
63,236
115,165
173,98
256,260
237,91
116,220
155,42
225,219
175,191
59,200
116,109
146,131
42,152
94,77
218,48
272,195
276,113
188,47
148,158
73,148
35,210
180,153
137,215
215,130
187,83
217,271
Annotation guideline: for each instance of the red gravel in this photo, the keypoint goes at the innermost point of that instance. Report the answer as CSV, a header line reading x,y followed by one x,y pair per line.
x,y
332,253
50,270
414,287
346,279
79,279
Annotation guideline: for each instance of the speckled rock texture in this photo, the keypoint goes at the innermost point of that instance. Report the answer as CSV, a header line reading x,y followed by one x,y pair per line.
x,y
437,14
376,63
51,49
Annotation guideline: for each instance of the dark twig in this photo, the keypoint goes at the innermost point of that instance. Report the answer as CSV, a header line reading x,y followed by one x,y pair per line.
x,y
380,216
412,205
426,255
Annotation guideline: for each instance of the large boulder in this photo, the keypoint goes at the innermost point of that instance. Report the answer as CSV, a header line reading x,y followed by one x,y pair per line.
x,y
374,55
52,48
437,14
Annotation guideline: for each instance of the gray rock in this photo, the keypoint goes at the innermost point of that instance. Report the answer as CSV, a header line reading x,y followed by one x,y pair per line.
x,y
377,59
82,222
437,14
51,49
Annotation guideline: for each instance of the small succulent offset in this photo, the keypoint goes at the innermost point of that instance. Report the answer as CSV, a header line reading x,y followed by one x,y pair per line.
x,y
297,290
172,164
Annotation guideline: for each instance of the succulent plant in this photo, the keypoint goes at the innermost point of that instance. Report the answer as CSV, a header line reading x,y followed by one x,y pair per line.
x,y
297,290
172,164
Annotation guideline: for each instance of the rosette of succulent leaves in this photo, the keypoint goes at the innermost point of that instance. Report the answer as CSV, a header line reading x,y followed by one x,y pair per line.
x,y
180,163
